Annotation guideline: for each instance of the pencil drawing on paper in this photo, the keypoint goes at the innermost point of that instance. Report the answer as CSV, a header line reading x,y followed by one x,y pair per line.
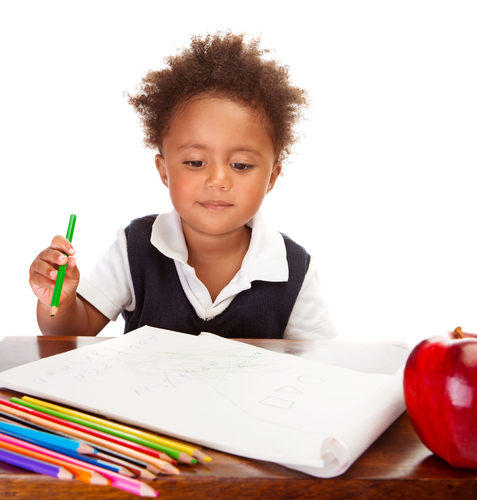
x,y
281,403
138,375
260,383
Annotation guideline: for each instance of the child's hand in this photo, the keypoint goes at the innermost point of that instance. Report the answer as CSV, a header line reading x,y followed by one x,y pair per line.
x,y
44,270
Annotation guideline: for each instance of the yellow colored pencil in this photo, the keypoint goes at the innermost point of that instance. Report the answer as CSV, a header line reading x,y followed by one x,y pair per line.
x,y
190,450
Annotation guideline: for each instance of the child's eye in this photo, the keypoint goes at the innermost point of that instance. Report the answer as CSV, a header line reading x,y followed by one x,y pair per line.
x,y
195,164
241,166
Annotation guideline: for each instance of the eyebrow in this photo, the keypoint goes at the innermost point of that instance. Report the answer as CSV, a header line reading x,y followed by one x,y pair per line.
x,y
195,145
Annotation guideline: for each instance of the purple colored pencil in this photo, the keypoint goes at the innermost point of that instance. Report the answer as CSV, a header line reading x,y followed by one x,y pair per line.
x,y
34,465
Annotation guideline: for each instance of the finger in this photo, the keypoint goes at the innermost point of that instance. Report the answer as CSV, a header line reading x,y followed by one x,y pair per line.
x,y
44,268
40,280
62,244
52,257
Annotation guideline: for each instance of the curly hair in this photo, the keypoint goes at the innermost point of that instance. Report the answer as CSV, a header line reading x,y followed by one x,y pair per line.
x,y
221,65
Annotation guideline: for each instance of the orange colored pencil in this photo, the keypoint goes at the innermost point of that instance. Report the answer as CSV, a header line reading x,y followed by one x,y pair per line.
x,y
81,473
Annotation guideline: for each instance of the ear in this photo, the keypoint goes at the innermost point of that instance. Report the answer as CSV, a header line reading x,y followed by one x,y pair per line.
x,y
161,168
276,170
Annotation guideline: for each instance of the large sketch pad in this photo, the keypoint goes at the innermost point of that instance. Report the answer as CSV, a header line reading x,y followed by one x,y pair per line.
x,y
213,391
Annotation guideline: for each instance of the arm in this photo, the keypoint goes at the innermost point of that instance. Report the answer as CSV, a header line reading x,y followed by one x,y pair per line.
x,y
75,316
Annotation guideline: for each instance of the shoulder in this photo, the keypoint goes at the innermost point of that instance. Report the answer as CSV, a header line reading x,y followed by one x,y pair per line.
x,y
293,244
141,224
296,252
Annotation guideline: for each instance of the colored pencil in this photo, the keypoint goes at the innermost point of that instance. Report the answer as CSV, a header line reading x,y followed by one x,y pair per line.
x,y
138,470
121,437
133,462
94,460
80,472
60,277
35,465
46,421
190,450
116,480
45,439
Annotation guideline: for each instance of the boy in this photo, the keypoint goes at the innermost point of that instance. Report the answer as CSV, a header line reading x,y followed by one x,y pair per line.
x,y
221,119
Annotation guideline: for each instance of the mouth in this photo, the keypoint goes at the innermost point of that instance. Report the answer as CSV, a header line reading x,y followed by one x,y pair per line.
x,y
215,205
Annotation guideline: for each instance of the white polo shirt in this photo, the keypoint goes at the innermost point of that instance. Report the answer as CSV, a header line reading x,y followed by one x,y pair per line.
x,y
109,287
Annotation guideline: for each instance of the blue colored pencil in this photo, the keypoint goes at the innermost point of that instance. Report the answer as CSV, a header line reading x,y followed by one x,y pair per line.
x,y
45,439
35,465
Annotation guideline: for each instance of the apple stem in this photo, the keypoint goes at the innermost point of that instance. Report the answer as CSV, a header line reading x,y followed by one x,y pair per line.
x,y
458,332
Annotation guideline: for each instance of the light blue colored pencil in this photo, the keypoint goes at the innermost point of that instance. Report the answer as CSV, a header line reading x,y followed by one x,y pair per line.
x,y
45,439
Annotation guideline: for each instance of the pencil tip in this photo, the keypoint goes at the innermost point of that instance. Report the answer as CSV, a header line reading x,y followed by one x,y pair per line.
x,y
147,491
168,468
86,449
97,478
64,473
201,457
53,311
147,475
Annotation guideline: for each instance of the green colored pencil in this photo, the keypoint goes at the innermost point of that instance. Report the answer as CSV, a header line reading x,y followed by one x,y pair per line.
x,y
55,300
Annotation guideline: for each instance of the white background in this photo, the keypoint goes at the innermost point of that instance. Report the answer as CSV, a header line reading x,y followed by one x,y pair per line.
x,y
381,188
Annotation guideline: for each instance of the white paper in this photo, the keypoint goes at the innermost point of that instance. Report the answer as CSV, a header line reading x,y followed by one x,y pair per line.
x,y
223,394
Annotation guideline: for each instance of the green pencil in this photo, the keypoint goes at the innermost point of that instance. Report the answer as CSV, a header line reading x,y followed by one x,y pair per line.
x,y
55,300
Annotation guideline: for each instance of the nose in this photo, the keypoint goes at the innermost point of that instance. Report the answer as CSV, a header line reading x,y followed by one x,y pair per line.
x,y
218,176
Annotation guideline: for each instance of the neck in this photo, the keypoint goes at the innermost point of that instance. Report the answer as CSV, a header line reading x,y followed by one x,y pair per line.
x,y
217,258
213,248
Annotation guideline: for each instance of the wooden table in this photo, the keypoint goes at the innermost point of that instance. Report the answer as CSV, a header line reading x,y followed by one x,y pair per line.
x,y
396,466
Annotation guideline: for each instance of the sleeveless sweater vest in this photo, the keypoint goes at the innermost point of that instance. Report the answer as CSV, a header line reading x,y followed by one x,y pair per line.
x,y
259,312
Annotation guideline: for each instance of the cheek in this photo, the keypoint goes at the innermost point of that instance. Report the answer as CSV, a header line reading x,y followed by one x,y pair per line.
x,y
253,193
182,187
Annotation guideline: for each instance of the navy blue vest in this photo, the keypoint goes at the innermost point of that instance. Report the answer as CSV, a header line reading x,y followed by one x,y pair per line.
x,y
260,312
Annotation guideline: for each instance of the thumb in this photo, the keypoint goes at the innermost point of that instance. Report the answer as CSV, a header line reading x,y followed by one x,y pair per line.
x,y
72,271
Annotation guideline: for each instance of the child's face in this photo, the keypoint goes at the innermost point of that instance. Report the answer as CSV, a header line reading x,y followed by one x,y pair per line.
x,y
218,162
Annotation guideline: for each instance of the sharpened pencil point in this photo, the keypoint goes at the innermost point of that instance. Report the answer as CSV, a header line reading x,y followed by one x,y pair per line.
x,y
147,491
201,457
97,478
53,310
65,474
168,468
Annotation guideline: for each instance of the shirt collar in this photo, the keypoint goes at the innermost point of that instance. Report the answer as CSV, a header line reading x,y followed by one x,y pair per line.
x,y
265,260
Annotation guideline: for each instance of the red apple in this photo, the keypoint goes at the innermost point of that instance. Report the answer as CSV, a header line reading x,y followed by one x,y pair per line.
x,y
440,391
